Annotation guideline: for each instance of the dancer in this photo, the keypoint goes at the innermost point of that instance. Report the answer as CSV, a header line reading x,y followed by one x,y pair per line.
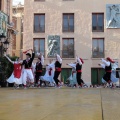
x,y
48,77
38,69
72,78
16,76
27,63
28,82
113,74
79,72
106,64
57,72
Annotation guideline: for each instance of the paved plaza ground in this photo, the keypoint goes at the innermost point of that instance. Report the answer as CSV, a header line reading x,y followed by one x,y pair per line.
x,y
60,104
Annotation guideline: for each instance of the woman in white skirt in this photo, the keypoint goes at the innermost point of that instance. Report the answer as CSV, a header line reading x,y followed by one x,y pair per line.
x,y
72,78
48,77
16,76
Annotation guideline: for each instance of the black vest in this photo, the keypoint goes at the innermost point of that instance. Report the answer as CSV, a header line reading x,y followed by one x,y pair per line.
x,y
57,64
108,68
38,66
78,67
28,63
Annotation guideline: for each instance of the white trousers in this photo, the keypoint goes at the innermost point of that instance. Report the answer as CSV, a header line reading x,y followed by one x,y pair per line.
x,y
28,74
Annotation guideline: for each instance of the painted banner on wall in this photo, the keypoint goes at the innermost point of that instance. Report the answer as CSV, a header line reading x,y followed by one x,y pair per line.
x,y
3,24
53,44
113,16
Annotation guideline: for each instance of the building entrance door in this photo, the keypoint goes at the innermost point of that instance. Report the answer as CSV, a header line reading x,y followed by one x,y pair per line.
x,y
65,74
96,76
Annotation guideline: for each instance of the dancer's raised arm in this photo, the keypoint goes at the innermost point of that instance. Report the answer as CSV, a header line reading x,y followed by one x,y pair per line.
x,y
79,61
107,63
33,55
51,65
72,65
40,55
9,59
59,59
42,59
102,65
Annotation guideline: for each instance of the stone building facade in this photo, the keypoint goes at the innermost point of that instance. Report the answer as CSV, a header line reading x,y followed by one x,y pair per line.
x,y
6,8
74,27
18,19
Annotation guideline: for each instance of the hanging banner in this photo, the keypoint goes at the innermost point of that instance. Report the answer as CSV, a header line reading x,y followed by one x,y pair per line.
x,y
53,44
113,16
3,24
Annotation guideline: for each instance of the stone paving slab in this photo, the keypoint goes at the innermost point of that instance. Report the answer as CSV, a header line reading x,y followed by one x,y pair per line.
x,y
59,104
111,104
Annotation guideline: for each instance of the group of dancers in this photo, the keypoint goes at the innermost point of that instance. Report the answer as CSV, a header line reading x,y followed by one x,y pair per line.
x,y
27,73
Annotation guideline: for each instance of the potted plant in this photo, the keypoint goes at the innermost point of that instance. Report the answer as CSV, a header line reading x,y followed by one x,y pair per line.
x,y
3,82
6,69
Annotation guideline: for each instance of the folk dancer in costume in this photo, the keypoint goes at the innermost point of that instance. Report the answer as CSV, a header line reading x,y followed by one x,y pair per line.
x,y
33,69
48,77
27,63
38,68
79,64
72,78
16,76
113,74
28,82
107,65
58,64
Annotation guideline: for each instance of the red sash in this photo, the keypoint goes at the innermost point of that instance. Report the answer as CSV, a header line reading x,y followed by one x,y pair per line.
x,y
17,70
109,71
39,71
50,71
58,69
79,71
